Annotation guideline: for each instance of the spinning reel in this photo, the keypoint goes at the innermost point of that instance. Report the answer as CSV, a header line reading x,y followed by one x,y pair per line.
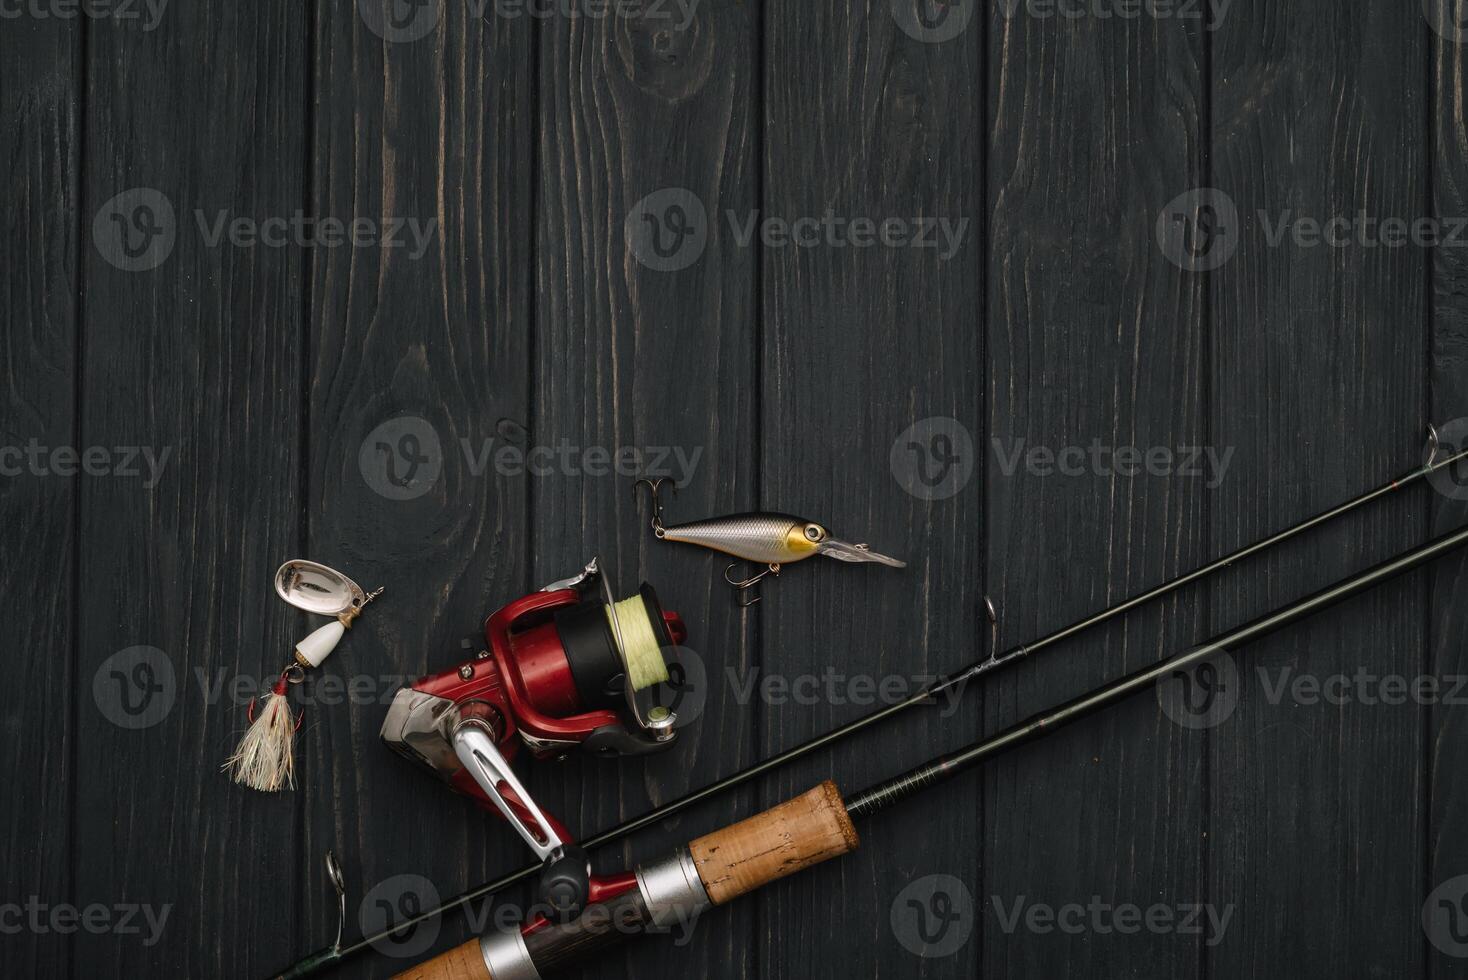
x,y
566,668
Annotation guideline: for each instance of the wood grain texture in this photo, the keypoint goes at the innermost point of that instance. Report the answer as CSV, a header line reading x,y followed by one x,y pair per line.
x,y
1096,338
40,147
1318,373
1446,737
863,121
537,152
629,356
433,129
199,357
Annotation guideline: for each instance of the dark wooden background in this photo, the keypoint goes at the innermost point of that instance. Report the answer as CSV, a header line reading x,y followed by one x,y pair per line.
x,y
1059,321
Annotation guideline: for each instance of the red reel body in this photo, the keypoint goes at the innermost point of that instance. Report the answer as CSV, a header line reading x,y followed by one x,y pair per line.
x,y
554,676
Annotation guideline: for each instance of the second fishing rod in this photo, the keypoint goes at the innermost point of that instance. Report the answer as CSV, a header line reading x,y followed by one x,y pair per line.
x,y
719,867
325,959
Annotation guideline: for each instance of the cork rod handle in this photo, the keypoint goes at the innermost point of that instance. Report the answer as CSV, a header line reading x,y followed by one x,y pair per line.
x,y
791,837
460,963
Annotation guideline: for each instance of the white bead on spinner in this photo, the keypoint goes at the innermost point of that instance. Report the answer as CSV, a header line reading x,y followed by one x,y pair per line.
x,y
318,646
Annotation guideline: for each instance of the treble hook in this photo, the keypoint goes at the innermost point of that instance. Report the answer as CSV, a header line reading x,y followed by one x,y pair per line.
x,y
657,504
1434,445
743,586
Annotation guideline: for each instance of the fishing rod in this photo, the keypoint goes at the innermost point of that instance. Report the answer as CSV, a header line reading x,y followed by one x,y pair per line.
x,y
715,869
326,958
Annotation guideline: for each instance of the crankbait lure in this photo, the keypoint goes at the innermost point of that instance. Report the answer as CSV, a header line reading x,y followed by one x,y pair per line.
x,y
771,540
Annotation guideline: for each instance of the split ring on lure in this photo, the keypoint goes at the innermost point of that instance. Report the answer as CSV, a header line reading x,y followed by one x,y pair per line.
x,y
771,540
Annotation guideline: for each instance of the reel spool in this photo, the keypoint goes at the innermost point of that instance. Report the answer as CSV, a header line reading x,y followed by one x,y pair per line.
x,y
567,668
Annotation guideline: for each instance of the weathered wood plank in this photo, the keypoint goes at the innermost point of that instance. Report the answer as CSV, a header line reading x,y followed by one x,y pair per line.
x,y
1098,338
40,77
1446,756
866,123
1318,384
191,349
423,119
652,352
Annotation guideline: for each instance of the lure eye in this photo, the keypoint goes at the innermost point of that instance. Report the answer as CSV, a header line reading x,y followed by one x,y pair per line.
x,y
814,532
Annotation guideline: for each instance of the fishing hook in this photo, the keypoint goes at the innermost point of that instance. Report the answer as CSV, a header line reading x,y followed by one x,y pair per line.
x,y
743,586
653,487
1434,445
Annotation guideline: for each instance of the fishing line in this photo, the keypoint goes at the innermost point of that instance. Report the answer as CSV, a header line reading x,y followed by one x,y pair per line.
x,y
645,663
